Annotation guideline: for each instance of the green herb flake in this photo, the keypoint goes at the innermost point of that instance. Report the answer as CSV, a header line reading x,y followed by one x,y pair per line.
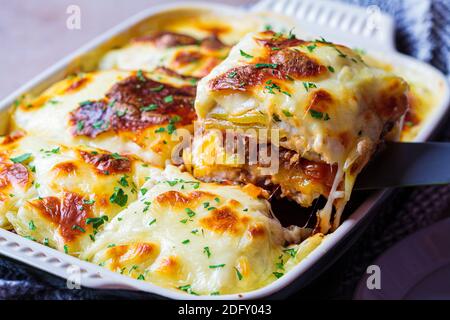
x,y
141,277
189,212
311,47
278,274
168,99
140,75
331,69
238,273
245,55
287,113
31,225
215,266
80,126
266,65
292,252
22,158
188,289
158,88
77,227
309,85
186,241
119,197
207,251
123,181
232,74
152,222
150,107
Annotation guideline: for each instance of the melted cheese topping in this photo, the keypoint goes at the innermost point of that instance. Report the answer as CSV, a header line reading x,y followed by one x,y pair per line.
x,y
201,238
182,53
57,194
326,103
126,112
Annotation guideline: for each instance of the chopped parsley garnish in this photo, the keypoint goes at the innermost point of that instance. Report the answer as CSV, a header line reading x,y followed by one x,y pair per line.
x,y
119,197
123,181
322,40
22,158
330,68
217,200
205,204
215,293
187,288
319,115
150,107
311,47
189,212
88,201
45,242
266,65
207,251
152,222
141,277
271,86
80,125
211,208
161,129
186,241
291,34
144,191
98,124
245,55
97,222
77,227
66,249
157,89
267,27
140,75
232,74
287,113
31,225
215,266
278,274
309,85
184,221
239,275
117,156
84,103
292,252
168,99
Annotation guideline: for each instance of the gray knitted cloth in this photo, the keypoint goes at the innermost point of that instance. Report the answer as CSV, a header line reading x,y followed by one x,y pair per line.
x,y
422,31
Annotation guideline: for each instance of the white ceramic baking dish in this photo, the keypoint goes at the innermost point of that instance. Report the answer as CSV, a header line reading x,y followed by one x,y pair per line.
x,y
340,21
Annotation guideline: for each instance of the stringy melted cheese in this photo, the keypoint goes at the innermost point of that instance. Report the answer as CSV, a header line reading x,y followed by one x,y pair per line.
x,y
327,104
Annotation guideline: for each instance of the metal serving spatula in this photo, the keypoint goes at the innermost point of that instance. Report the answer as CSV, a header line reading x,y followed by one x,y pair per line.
x,y
402,164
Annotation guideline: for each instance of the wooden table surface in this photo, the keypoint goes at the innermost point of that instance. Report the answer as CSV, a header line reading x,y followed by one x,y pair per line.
x,y
34,35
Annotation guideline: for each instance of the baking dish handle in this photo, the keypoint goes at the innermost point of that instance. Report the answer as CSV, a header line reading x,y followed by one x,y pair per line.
x,y
366,28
